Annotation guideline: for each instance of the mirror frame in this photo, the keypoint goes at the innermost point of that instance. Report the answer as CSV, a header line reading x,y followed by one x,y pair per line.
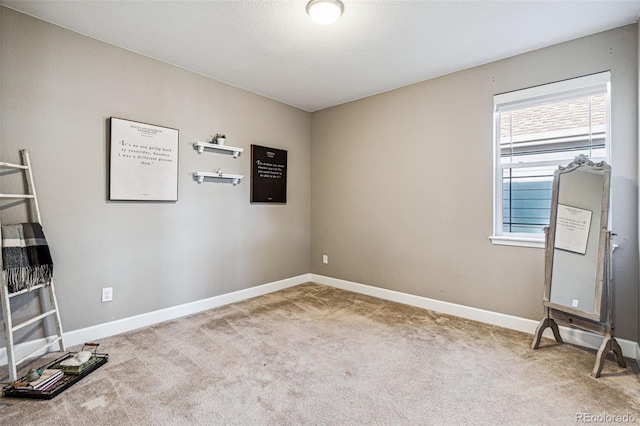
x,y
580,162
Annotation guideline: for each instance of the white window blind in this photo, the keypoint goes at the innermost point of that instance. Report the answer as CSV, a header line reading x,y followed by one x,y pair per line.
x,y
535,131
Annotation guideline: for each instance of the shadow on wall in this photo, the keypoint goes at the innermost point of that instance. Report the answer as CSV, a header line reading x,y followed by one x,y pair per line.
x,y
624,211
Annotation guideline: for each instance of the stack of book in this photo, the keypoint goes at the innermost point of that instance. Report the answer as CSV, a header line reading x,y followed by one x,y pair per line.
x,y
47,380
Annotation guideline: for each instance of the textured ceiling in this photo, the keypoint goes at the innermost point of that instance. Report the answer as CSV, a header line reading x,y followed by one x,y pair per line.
x,y
274,49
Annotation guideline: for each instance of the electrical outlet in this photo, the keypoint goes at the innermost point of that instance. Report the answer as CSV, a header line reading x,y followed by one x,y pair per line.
x,y
325,259
107,294
574,303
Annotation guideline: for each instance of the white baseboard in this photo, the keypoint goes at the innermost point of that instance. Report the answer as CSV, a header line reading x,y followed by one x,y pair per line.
x,y
630,349
570,335
124,325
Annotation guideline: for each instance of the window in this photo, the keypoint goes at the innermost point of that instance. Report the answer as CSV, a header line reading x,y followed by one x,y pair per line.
x,y
535,131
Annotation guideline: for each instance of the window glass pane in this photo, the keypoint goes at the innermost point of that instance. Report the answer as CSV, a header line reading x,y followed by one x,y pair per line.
x,y
526,196
554,131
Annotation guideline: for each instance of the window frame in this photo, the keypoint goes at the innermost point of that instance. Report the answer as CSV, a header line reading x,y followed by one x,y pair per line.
x,y
598,83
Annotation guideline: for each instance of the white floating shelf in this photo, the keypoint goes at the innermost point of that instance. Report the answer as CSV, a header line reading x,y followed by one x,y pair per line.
x,y
235,179
200,146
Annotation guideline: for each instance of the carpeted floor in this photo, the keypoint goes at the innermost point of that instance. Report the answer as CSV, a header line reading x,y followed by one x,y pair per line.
x,y
317,355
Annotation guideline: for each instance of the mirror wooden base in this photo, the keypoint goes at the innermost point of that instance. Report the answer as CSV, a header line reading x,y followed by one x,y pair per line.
x,y
546,322
609,343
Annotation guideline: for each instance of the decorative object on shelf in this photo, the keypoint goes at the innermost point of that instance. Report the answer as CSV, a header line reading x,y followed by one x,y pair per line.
x,y
143,162
219,138
200,146
268,175
234,179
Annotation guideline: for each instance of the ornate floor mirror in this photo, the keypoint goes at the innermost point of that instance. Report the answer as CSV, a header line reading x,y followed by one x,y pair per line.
x,y
578,279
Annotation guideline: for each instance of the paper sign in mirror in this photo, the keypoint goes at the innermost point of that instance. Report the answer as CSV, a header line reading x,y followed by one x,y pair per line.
x,y
572,228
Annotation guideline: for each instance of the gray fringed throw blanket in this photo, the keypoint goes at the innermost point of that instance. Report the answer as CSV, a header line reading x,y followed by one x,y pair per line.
x,y
25,256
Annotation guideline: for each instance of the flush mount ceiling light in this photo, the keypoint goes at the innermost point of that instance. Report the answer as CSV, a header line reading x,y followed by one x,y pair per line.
x,y
325,11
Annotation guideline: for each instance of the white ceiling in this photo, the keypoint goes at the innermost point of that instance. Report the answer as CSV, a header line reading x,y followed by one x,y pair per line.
x,y
274,49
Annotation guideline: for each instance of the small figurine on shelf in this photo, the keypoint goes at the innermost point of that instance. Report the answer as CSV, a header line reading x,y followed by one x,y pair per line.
x,y
219,138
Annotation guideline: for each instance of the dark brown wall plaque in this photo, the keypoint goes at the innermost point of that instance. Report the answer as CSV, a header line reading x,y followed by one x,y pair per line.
x,y
268,175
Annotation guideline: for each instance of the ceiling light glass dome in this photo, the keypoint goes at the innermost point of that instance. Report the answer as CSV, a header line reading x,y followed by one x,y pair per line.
x,y
325,11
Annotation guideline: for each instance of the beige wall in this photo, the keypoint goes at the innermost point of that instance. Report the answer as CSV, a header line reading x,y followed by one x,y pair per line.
x,y
402,183
58,90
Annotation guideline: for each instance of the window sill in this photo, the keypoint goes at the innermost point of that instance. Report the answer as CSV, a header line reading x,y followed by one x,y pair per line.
x,y
517,241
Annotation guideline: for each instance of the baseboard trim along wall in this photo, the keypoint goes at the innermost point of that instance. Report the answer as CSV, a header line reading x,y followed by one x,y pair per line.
x,y
578,337
569,335
100,331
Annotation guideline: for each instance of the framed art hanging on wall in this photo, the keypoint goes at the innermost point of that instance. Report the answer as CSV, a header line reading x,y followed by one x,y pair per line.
x,y
268,175
143,162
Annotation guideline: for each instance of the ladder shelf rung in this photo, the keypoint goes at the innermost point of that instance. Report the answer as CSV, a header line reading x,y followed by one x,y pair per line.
x,y
13,166
26,290
29,196
34,319
54,341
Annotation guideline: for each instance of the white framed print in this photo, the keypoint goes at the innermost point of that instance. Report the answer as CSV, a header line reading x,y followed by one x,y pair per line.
x,y
143,162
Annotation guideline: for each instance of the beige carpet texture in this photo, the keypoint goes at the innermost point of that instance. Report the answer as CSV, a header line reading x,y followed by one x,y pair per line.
x,y
316,355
